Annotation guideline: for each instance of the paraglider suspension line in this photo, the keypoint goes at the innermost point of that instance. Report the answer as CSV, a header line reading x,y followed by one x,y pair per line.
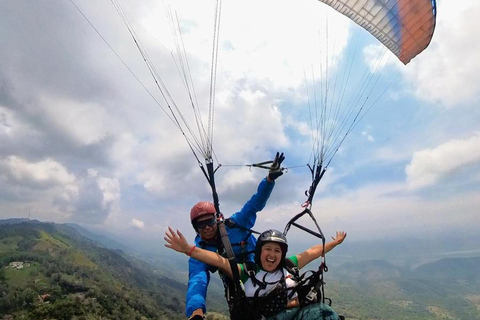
x,y
225,241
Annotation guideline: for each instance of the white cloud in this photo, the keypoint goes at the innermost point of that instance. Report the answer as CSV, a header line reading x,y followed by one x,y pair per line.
x,y
111,191
237,177
272,49
368,135
5,121
431,165
376,56
44,188
87,123
154,183
446,73
44,172
137,223
386,210
92,173
392,153
107,150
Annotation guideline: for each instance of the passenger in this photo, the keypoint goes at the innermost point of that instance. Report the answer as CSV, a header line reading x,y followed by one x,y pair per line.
x,y
238,226
261,287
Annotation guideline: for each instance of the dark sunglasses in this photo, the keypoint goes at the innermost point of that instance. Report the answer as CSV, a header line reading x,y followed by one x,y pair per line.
x,y
204,223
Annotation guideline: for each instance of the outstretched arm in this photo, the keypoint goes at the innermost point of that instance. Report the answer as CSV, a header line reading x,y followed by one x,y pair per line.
x,y
315,252
247,216
198,279
177,242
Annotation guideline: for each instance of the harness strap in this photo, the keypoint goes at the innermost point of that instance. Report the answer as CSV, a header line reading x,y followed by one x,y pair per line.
x,y
233,224
230,223
291,267
257,303
250,268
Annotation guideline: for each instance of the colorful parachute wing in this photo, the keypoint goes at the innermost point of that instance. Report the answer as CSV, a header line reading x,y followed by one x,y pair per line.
x,y
403,26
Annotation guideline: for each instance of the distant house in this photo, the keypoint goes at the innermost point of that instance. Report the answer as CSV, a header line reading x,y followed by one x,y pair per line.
x,y
44,298
16,264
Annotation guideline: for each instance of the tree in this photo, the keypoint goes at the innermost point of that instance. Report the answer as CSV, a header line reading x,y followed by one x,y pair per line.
x,y
3,277
28,296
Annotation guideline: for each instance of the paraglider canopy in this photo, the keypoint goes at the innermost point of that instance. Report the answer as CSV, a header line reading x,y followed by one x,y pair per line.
x,y
405,27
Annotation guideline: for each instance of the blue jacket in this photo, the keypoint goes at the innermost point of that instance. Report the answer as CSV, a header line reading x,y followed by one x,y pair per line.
x,y
199,272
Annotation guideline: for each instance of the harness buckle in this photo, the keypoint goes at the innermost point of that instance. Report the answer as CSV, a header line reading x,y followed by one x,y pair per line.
x,y
311,295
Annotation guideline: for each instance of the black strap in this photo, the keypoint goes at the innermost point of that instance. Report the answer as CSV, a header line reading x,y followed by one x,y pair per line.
x,y
237,302
256,303
233,224
251,270
263,165
230,223
291,267
221,228
317,174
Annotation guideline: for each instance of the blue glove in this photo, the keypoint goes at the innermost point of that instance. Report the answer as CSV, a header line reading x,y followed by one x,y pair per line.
x,y
276,169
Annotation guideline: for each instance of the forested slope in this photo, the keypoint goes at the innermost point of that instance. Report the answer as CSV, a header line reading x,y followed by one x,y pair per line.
x,y
50,271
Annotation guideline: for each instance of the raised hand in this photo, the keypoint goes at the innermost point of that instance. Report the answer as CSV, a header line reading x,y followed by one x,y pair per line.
x,y
276,169
176,241
340,236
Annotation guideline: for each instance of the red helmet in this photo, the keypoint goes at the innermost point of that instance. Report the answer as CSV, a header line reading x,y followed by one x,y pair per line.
x,y
201,209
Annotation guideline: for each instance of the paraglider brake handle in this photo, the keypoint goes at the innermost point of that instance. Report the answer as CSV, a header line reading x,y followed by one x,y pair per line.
x,y
265,165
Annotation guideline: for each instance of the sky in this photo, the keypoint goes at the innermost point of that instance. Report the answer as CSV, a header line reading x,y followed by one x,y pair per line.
x,y
82,141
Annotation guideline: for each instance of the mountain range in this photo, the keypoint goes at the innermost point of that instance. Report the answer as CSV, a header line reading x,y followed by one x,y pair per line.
x,y
63,271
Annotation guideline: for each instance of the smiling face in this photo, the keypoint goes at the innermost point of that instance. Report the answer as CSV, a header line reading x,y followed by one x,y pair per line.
x,y
270,256
208,231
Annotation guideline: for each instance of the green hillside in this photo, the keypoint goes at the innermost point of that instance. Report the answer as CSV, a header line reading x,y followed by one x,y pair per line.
x,y
460,268
397,294
49,271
